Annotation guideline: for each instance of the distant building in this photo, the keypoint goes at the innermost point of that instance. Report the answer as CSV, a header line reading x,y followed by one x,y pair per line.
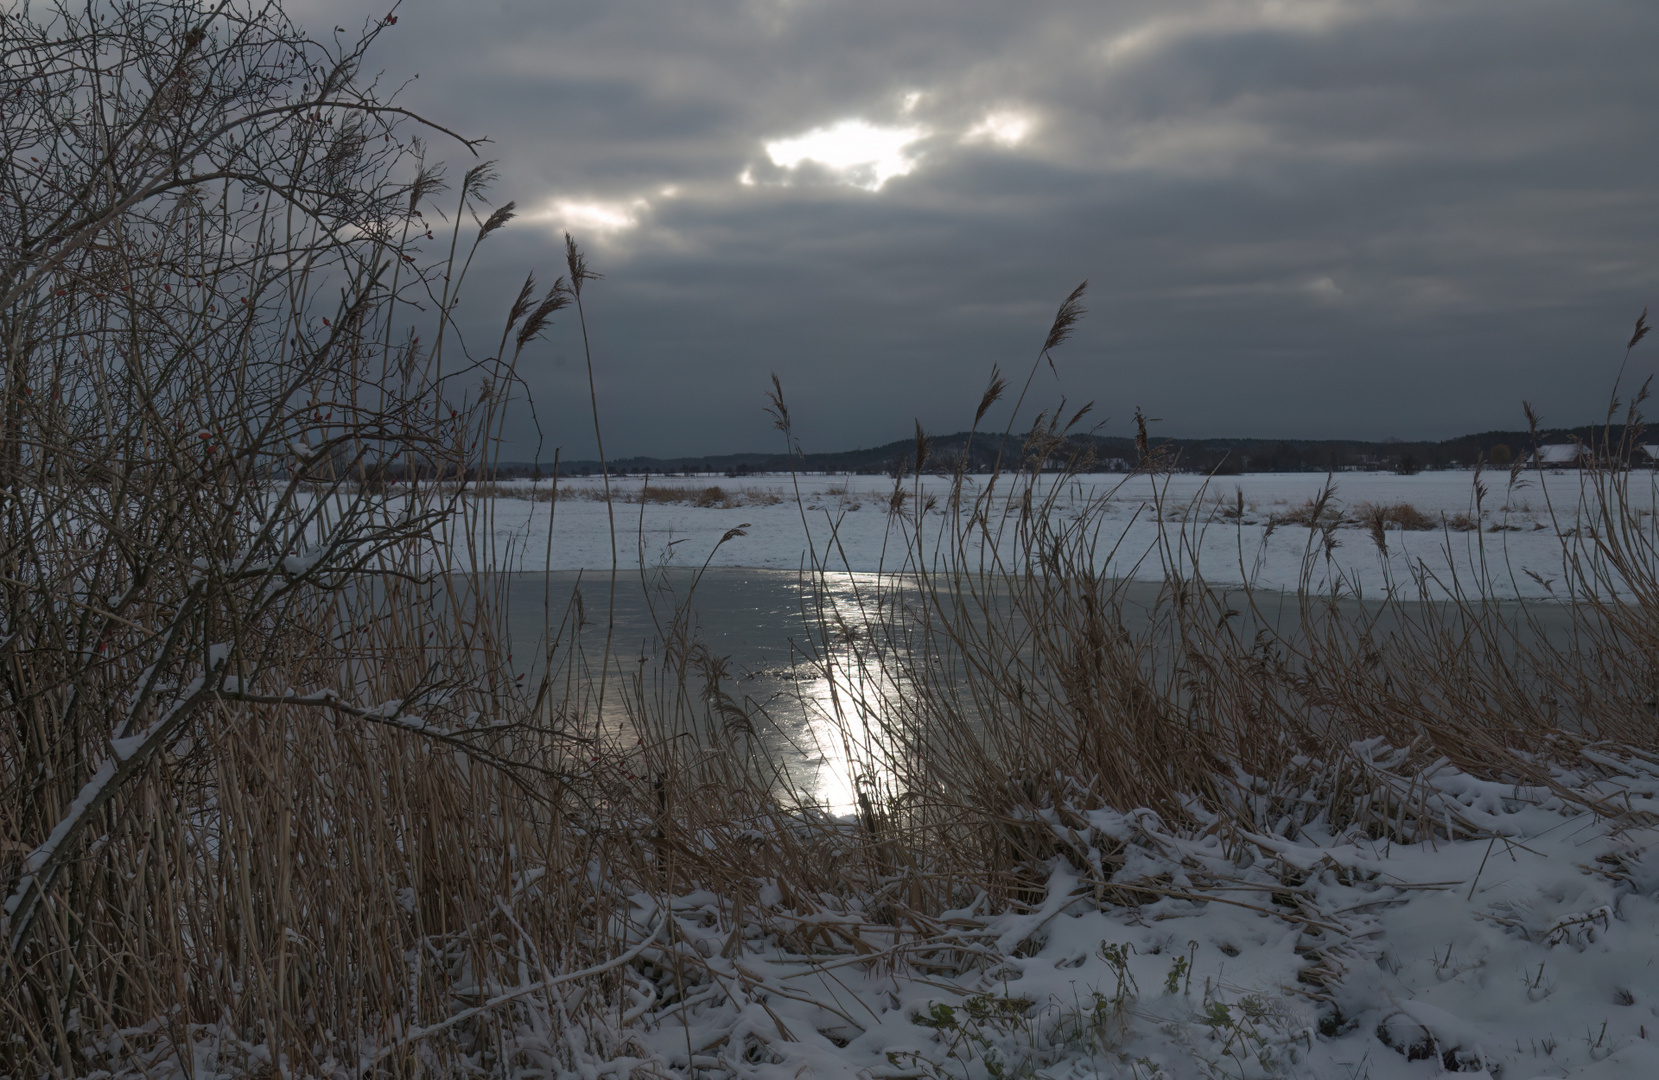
x,y
1575,455
1559,455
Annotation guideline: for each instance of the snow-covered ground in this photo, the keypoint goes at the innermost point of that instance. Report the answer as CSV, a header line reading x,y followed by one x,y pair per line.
x,y
1528,947
847,522
1519,941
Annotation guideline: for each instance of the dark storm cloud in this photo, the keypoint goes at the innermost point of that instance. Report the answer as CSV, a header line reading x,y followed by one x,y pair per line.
x,y
1360,218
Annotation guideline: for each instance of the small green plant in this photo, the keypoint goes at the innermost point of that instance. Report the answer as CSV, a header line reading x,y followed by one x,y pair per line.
x,y
984,1026
1152,1070
1217,1015
1245,1028
1095,1026
1181,971
1105,1022
1117,958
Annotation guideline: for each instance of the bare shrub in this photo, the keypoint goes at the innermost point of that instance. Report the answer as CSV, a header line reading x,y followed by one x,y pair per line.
x,y
260,754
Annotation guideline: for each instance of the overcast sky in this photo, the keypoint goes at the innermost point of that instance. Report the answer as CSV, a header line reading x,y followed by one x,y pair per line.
x,y
1362,218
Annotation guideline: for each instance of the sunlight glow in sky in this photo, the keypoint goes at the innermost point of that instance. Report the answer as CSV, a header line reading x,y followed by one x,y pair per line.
x,y
1005,128
860,153
593,215
1292,16
1273,200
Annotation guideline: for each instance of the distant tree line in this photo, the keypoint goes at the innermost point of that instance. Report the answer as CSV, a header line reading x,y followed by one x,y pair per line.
x,y
1102,453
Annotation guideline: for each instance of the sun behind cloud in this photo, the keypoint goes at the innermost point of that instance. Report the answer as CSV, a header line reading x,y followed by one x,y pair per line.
x,y
599,216
856,152
1005,127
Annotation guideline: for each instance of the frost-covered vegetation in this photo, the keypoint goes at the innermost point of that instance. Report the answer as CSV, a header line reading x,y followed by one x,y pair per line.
x,y
272,801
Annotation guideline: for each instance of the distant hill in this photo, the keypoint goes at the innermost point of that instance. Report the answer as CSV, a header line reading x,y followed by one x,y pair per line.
x,y
1103,453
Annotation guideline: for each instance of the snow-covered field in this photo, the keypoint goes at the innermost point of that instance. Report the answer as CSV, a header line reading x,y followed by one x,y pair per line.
x,y
848,523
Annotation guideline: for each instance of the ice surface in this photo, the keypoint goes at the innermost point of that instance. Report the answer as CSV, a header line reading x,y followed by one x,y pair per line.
x,y
847,525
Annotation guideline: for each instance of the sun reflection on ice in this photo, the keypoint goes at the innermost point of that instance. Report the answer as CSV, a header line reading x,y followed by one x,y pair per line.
x,y
848,708
834,721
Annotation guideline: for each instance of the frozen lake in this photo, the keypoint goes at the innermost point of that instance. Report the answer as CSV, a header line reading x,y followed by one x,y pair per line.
x,y
1237,529
747,540
780,658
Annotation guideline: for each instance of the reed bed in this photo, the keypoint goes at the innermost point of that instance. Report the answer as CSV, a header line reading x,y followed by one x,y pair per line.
x,y
1025,694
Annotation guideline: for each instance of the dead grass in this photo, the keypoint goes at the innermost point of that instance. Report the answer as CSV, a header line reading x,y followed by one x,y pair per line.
x,y
1313,514
1399,515
713,497
1236,508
